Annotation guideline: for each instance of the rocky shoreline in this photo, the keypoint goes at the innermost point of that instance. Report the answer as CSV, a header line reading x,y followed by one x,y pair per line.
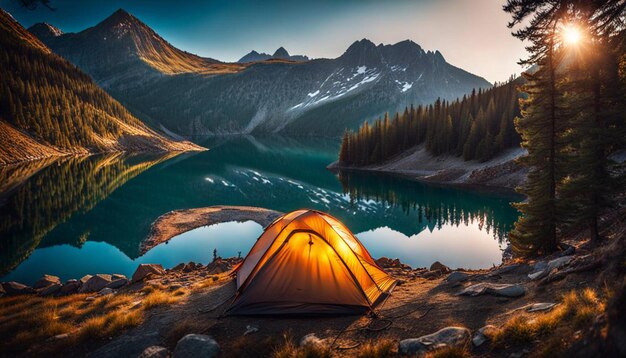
x,y
177,222
499,173
105,284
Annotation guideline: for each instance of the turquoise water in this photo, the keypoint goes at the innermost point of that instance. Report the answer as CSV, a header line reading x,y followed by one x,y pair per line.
x,y
88,215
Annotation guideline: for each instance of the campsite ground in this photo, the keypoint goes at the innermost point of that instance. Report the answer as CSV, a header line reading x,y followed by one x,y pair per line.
x,y
193,298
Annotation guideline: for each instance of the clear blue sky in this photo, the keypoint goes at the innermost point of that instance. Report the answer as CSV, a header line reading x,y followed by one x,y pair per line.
x,y
471,34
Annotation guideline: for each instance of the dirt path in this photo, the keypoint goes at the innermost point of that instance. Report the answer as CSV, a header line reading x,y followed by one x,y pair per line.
x,y
179,221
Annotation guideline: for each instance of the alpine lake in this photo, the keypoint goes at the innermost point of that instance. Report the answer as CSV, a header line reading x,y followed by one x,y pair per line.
x,y
85,215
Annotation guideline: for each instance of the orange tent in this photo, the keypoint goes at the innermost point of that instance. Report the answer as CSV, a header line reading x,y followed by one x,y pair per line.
x,y
307,262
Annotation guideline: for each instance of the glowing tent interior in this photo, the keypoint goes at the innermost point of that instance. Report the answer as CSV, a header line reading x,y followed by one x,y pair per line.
x,y
307,262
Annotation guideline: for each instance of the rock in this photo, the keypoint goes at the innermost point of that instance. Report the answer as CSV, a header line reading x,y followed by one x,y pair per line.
x,y
69,287
218,266
15,288
438,266
559,262
144,270
456,276
311,340
95,283
118,276
569,251
84,279
50,290
542,269
196,345
106,291
482,335
155,352
383,262
537,275
504,289
174,287
120,282
90,298
46,281
504,269
536,307
179,267
446,337
189,267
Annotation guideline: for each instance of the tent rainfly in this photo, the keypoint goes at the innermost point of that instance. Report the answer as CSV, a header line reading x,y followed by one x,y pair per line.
x,y
308,263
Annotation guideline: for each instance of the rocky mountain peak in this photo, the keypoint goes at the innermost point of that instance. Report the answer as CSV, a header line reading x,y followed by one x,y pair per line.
x,y
281,53
45,30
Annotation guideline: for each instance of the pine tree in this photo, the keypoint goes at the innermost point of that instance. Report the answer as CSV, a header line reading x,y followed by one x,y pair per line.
x,y
540,127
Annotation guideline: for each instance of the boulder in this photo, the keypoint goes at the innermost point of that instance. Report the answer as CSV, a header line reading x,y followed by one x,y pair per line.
x,y
456,276
46,281
69,287
95,283
218,266
84,279
15,288
196,345
144,270
179,267
438,266
118,276
189,267
106,291
504,289
482,335
504,269
117,283
50,290
542,269
155,352
446,337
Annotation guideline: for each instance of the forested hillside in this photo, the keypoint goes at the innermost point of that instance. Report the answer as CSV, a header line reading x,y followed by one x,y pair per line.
x,y
46,102
478,126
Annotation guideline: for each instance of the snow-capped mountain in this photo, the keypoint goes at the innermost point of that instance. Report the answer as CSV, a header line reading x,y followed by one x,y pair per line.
x,y
173,89
280,53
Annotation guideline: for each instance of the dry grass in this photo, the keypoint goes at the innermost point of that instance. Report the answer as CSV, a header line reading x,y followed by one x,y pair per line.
x,y
28,321
158,298
449,352
290,349
577,310
376,349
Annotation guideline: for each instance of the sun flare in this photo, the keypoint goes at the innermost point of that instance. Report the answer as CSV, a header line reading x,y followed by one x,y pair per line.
x,y
571,34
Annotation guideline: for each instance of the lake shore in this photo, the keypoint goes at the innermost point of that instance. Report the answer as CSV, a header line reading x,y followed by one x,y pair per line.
x,y
177,222
482,307
498,174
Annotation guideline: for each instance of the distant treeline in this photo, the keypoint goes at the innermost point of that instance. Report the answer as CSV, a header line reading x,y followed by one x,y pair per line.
x,y
478,126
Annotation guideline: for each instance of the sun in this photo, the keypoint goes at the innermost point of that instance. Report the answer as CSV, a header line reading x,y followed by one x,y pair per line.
x,y
571,34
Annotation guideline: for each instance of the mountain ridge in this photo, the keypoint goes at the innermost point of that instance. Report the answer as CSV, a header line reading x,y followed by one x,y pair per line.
x,y
280,53
316,97
49,108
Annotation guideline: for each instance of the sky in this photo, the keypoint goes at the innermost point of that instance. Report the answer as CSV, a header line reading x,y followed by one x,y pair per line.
x,y
471,34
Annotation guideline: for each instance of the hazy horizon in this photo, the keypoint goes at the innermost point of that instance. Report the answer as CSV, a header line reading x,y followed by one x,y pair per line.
x,y
470,35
